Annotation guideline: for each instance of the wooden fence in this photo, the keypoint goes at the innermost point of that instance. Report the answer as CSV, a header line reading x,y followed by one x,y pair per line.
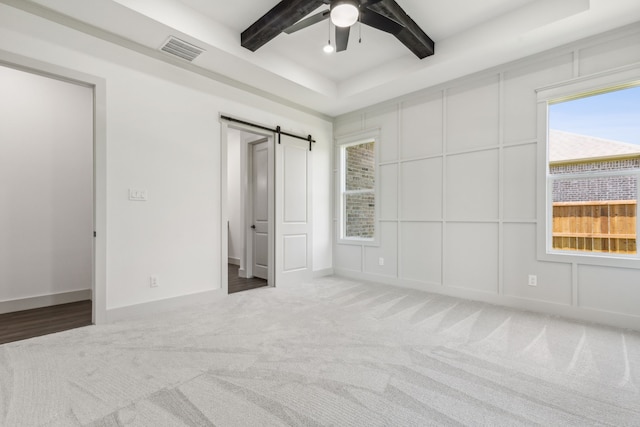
x,y
608,226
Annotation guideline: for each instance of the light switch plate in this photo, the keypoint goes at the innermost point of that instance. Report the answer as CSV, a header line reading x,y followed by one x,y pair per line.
x,y
137,195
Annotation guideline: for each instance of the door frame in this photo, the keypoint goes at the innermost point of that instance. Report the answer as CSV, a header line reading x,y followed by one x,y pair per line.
x,y
224,212
247,192
98,85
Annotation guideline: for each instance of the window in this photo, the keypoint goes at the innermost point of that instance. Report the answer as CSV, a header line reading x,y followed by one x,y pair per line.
x,y
593,164
358,191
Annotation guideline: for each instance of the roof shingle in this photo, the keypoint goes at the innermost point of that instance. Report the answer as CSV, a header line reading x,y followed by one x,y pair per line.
x,y
567,146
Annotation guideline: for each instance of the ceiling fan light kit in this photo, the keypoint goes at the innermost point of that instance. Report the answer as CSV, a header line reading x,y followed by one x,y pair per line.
x,y
344,13
290,16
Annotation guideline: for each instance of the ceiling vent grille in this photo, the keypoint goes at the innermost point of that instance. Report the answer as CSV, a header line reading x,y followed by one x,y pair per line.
x,y
181,49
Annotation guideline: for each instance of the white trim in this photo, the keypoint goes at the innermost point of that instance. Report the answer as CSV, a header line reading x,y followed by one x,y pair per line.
x,y
622,77
164,305
99,256
44,301
583,314
224,214
234,261
357,138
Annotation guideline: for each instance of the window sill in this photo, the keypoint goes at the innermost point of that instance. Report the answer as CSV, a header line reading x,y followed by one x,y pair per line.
x,y
359,242
589,258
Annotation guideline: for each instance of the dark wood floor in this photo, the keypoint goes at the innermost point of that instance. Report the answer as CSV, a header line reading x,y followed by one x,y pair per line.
x,y
25,324
21,325
237,284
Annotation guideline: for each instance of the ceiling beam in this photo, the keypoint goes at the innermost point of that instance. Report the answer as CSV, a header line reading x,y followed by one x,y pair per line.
x,y
411,34
282,16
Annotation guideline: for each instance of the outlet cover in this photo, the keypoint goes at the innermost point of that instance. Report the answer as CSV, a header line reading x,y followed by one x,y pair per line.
x,y
533,280
380,261
137,195
153,282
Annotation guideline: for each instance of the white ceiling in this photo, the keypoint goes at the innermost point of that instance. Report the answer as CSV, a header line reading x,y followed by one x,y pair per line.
x,y
470,35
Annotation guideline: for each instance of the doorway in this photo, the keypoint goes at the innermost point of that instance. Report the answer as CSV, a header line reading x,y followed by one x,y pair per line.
x,y
47,219
250,203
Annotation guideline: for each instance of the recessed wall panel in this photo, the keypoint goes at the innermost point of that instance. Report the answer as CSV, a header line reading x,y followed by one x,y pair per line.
x,y
472,186
520,98
610,54
383,259
347,124
348,257
609,289
473,115
471,256
520,173
421,252
389,191
386,119
421,193
421,126
554,279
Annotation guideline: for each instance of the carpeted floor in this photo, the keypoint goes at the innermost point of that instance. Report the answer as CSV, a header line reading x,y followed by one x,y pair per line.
x,y
331,352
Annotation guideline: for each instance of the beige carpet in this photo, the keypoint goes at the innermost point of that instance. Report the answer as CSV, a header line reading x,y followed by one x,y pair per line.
x,y
331,352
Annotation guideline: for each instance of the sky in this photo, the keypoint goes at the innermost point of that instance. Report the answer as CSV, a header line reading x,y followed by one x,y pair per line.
x,y
613,115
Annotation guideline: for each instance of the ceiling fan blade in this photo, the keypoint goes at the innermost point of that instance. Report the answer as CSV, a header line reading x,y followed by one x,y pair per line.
x,y
382,23
281,16
342,38
370,3
313,19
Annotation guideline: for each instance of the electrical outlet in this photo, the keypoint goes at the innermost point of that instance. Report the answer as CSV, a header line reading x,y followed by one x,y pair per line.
x,y
533,280
137,195
380,261
153,282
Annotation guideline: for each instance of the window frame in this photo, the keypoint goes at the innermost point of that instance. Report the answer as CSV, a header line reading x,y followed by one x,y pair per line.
x,y
620,78
341,145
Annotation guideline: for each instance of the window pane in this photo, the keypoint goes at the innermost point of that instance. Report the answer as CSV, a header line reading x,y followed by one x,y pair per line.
x,y
595,214
360,167
591,134
360,215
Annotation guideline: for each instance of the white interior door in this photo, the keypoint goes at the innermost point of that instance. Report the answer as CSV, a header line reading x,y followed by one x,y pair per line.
x,y
260,208
293,211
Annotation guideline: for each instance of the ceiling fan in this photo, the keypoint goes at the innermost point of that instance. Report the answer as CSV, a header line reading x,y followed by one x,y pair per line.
x,y
386,15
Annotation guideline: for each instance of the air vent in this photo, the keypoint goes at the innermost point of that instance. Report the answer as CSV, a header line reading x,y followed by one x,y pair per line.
x,y
181,49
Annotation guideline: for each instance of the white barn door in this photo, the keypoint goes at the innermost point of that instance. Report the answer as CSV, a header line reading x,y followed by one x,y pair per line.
x,y
293,211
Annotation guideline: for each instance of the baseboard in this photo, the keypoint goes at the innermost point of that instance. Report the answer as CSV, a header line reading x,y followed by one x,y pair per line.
x,y
233,260
162,306
323,273
44,301
583,314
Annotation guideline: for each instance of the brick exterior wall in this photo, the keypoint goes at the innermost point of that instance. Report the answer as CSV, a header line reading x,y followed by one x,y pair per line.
x,y
595,189
595,166
360,175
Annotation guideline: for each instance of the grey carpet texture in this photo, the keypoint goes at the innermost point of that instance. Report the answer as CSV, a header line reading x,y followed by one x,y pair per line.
x,y
331,352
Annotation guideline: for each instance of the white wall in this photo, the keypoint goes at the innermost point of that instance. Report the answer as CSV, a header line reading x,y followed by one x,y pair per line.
x,y
458,186
163,135
234,200
46,189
